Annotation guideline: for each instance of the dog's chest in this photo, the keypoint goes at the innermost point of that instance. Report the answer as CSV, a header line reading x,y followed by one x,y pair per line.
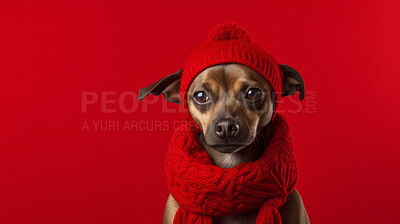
x,y
243,218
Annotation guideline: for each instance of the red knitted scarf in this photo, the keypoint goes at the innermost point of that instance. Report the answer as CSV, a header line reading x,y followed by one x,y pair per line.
x,y
203,190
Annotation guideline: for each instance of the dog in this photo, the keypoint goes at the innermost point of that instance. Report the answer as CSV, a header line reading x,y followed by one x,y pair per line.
x,y
233,105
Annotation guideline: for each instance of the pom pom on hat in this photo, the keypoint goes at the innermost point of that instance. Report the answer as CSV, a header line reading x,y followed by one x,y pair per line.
x,y
229,31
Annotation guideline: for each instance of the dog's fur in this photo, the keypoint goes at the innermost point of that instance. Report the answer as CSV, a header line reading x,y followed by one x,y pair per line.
x,y
235,129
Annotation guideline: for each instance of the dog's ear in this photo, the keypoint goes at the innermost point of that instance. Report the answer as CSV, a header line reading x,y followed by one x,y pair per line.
x,y
169,86
291,82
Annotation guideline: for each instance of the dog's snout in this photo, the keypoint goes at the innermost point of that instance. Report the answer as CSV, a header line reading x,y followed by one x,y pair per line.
x,y
226,128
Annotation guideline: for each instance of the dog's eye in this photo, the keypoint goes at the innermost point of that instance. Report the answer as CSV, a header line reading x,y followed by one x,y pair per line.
x,y
201,97
253,94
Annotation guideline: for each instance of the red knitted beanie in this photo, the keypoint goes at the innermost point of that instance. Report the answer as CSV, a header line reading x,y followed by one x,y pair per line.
x,y
230,43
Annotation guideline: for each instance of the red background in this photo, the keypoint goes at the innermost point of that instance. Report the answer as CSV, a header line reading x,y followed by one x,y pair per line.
x,y
52,171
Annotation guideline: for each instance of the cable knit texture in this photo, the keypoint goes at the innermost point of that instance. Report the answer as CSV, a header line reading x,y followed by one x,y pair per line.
x,y
230,43
203,190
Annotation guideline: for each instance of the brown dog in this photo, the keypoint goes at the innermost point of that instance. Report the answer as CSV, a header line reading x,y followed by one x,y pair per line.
x,y
233,105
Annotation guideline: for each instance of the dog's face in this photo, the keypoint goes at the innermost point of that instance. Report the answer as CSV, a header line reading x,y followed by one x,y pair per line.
x,y
231,103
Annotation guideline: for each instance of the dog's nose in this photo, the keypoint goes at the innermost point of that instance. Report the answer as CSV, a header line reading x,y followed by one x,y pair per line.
x,y
226,128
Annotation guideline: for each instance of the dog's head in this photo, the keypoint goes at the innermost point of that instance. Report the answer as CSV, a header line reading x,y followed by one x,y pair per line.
x,y
230,102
